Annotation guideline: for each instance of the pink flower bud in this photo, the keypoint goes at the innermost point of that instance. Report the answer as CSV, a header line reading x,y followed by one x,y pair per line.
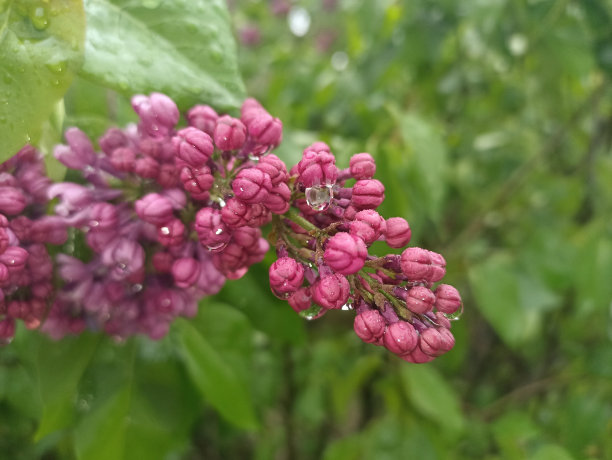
x,y
203,117
172,233
368,194
158,113
301,299
422,265
331,291
430,341
247,237
229,133
400,338
162,262
212,232
49,229
251,185
123,159
273,167
398,232
420,300
193,146
367,225
277,200
14,258
236,213
362,166
265,129
417,357
197,181
369,326
317,168
154,208
345,253
4,240
12,200
168,176
259,215
112,139
103,216
448,299
185,271
4,275
80,152
124,257
146,167
286,276
249,110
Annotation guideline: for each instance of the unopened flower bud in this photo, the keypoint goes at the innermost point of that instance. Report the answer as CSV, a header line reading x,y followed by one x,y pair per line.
x,y
277,200
158,113
172,233
123,159
146,167
103,216
14,258
203,117
420,299
12,200
419,265
251,185
398,233
273,167
362,166
229,133
154,208
212,232
331,291
400,338
345,253
448,299
368,194
369,326
286,276
264,129
367,225
317,168
193,146
197,181
185,271
301,299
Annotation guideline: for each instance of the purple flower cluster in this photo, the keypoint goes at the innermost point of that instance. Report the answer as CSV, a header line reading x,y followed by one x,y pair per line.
x,y
324,260
26,269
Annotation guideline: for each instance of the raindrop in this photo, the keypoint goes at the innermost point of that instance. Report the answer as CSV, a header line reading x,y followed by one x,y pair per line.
x,y
137,288
216,247
455,316
319,197
218,231
281,295
122,266
299,21
165,231
39,18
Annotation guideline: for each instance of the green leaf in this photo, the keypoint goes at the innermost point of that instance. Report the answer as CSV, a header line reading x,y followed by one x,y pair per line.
x,y
513,432
432,396
182,48
41,46
551,452
214,377
59,367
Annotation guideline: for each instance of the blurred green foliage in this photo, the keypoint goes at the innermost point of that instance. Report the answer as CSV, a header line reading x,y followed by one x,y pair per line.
x,y
491,124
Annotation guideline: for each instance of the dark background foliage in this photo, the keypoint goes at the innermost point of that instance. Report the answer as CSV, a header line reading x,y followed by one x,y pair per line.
x,y
491,125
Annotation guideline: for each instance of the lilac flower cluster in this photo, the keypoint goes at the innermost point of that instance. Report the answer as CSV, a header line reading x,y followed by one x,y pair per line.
x,y
162,215
26,269
324,260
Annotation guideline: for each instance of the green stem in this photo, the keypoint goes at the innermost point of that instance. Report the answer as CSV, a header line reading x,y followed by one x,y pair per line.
x,y
294,216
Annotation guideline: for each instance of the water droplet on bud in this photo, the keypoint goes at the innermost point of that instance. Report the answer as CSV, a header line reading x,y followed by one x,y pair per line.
x,y
217,247
455,316
319,197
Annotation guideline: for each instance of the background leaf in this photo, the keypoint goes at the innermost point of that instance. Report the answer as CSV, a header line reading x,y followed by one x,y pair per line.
x,y
41,46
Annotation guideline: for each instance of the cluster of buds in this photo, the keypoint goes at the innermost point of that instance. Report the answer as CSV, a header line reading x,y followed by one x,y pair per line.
x,y
26,269
323,261
163,214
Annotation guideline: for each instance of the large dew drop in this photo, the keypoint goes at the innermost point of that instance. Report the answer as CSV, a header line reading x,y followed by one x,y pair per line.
x,y
319,197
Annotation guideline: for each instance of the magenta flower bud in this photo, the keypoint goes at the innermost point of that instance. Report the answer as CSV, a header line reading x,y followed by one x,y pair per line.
x,y
430,341
230,133
197,181
420,299
417,357
368,194
21,227
103,216
185,271
212,232
81,152
317,168
235,213
367,225
438,266
154,208
4,275
369,326
146,167
260,215
400,338
300,300
203,117
275,168
12,200
362,166
277,200
286,277
123,159
49,229
172,233
4,240
448,299
416,264
345,253
211,280
447,339
168,176
264,129
193,146
124,257
250,108
247,237
112,139
14,258
251,185
158,114
162,261
258,251
331,291
398,232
